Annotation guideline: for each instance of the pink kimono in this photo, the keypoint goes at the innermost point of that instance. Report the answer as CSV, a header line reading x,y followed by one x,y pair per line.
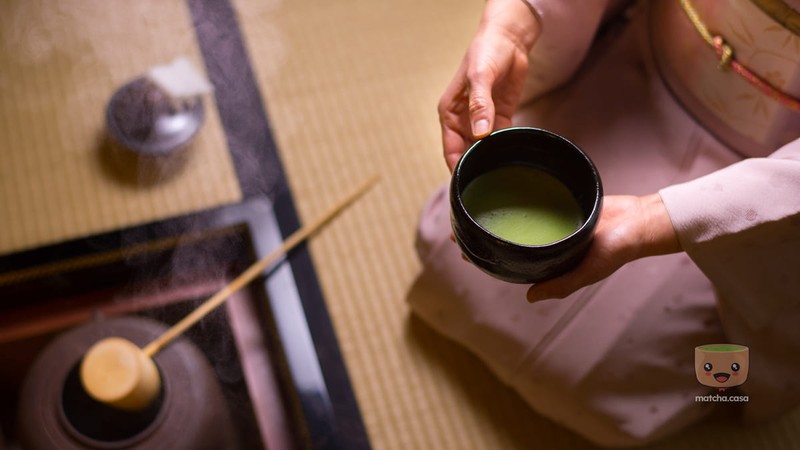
x,y
615,360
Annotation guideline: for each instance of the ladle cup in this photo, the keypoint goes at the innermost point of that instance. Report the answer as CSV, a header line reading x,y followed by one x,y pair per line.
x,y
117,372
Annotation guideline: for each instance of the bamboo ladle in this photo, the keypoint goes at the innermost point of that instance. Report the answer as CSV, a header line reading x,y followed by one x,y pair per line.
x,y
117,372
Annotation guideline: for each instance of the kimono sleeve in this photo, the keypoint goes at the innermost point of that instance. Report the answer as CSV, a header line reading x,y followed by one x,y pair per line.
x,y
741,226
568,29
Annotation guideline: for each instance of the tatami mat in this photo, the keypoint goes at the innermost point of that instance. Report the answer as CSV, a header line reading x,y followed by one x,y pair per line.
x,y
59,64
351,87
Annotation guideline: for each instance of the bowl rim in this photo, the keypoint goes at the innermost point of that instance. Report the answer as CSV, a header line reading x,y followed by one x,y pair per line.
x,y
586,223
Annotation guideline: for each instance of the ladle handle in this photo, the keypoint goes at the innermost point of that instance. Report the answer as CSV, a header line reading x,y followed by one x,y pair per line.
x,y
253,271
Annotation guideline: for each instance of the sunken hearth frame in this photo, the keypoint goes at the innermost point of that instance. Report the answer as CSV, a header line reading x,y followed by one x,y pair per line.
x,y
311,369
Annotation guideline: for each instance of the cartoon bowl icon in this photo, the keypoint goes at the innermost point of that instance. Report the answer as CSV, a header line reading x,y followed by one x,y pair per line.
x,y
721,365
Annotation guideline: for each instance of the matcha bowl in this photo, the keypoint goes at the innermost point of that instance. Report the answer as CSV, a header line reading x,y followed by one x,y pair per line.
x,y
524,204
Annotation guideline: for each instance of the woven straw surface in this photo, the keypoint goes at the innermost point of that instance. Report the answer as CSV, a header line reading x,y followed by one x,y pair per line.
x,y
60,63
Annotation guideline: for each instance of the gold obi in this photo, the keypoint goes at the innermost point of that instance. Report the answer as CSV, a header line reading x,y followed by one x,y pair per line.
x,y
765,38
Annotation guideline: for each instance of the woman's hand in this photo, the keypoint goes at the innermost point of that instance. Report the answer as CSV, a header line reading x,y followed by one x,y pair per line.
x,y
629,228
487,87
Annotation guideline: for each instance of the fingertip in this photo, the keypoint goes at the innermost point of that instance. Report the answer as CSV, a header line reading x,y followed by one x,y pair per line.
x,y
481,128
481,109
451,160
533,295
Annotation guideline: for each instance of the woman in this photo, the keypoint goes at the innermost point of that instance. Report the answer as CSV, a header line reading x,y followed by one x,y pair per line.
x,y
699,237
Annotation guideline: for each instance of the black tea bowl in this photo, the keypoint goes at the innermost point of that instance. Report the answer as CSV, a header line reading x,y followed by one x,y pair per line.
x,y
550,153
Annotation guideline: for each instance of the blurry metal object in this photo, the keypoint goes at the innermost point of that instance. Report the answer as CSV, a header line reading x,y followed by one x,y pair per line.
x,y
150,133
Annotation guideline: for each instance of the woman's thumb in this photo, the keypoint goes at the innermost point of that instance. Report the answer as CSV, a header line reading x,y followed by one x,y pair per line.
x,y
481,111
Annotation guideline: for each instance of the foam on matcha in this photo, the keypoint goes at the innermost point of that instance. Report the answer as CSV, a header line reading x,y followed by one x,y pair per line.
x,y
523,204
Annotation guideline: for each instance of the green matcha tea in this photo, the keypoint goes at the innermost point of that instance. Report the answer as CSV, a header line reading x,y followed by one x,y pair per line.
x,y
523,205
